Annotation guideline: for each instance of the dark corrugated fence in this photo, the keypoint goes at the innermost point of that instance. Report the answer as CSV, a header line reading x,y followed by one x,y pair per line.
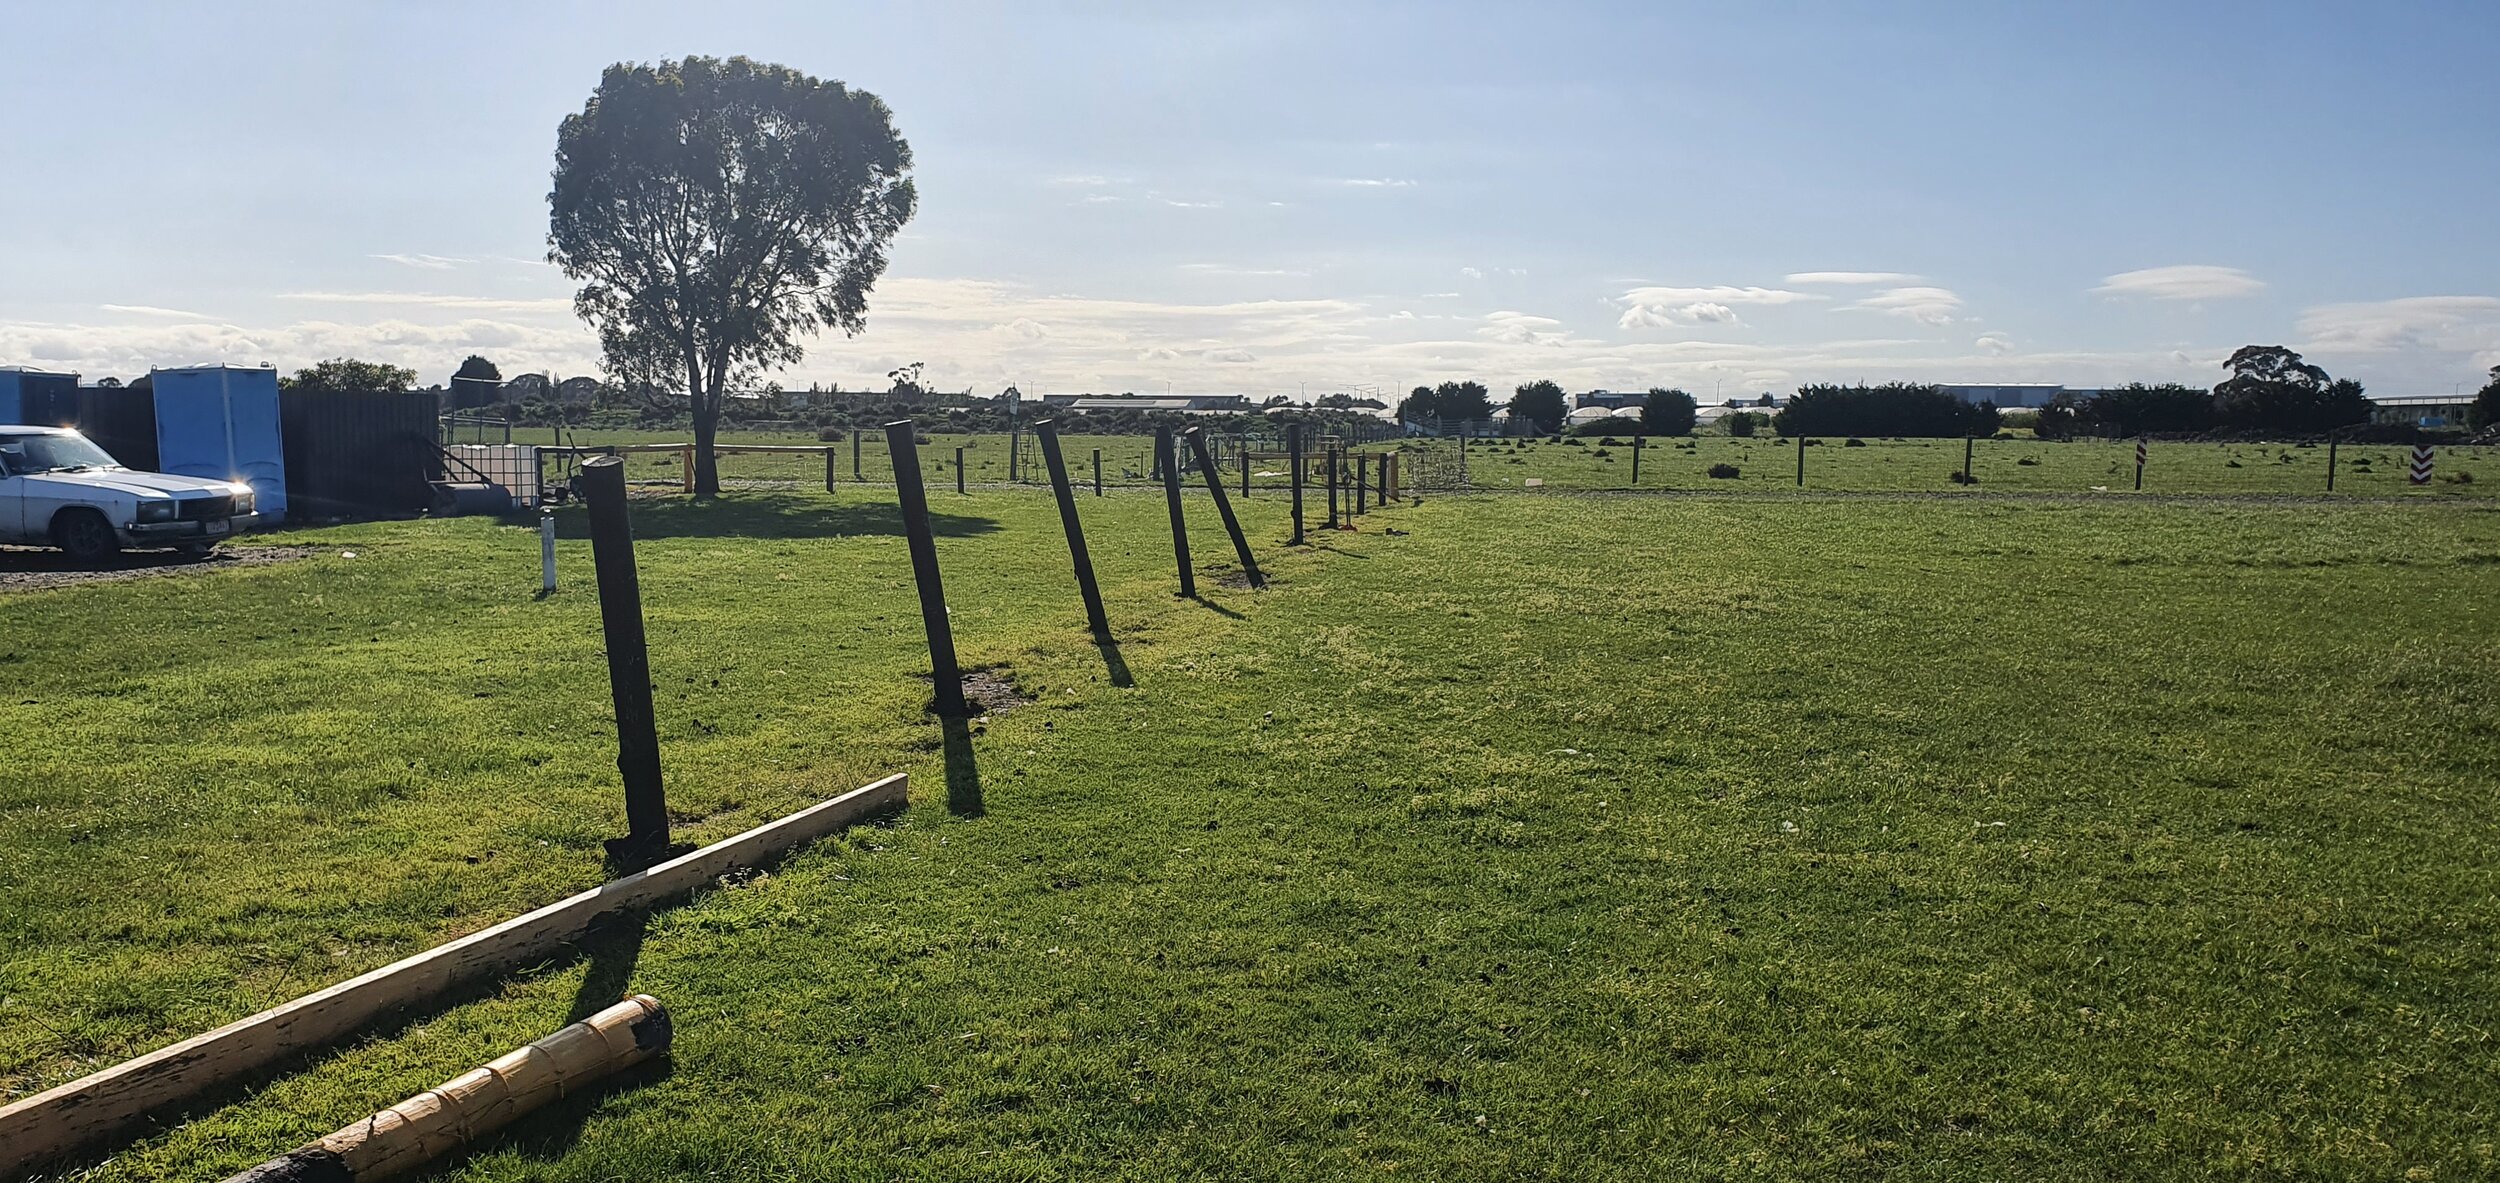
x,y
359,455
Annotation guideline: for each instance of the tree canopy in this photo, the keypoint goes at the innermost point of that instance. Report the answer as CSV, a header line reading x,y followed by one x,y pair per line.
x,y
2271,388
476,368
1450,401
1894,409
1541,404
718,213
1668,412
2484,411
346,375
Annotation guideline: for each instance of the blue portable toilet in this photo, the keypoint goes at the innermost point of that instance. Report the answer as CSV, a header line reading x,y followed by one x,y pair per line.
x,y
30,396
221,423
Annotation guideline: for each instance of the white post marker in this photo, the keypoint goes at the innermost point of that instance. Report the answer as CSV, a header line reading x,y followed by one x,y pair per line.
x,y
546,550
2421,464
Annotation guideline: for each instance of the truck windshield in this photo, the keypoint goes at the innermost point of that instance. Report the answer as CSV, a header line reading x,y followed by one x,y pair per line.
x,y
54,453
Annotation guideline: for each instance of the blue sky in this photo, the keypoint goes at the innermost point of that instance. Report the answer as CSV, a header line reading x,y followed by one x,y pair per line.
x,y
1280,198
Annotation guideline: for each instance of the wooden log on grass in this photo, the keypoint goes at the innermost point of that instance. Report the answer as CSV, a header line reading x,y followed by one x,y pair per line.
x,y
86,1112
443,1119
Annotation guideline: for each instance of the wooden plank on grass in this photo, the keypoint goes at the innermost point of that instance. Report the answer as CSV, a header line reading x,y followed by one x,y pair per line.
x,y
86,1111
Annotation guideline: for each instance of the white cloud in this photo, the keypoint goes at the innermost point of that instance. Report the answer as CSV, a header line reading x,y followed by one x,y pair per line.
x,y
1471,273
1926,305
1849,278
1096,199
1231,357
1660,307
1023,328
152,310
1178,204
431,300
1519,328
2189,282
1377,183
430,349
1994,344
425,262
1081,180
2442,324
1439,296
1158,353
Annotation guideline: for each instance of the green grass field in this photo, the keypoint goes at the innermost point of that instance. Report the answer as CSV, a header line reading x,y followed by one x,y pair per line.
x,y
2000,466
1548,837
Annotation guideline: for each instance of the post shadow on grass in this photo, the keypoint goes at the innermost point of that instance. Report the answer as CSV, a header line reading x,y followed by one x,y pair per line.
x,y
1113,662
774,515
611,948
963,773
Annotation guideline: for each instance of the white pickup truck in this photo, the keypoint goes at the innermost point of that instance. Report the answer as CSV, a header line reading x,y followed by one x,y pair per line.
x,y
58,489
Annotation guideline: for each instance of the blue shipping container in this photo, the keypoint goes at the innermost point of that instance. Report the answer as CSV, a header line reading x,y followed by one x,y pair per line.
x,y
221,423
24,392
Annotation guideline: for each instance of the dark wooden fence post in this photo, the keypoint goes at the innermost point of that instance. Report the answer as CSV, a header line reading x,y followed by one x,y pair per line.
x,y
1801,462
959,472
1332,486
945,677
1047,431
856,475
2139,466
2330,466
629,665
1224,506
1245,468
1293,455
1097,472
1968,443
830,472
1636,460
1169,462
1362,483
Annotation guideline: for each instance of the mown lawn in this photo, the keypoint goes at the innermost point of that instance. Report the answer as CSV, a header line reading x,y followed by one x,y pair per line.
x,y
1557,837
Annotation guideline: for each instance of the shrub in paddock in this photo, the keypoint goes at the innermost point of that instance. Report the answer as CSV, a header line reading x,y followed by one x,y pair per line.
x,y
2027,462
1724,472
829,435
1853,442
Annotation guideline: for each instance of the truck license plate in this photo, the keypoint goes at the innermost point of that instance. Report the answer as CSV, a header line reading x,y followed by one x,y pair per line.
x,y
216,528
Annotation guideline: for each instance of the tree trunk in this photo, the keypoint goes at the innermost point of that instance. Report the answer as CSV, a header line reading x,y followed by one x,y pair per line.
x,y
706,471
704,408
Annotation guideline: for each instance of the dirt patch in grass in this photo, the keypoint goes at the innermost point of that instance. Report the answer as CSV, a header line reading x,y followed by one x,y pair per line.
x,y
994,692
30,569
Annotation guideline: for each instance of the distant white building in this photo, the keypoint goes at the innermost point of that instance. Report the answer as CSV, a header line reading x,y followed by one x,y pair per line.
x,y
2421,410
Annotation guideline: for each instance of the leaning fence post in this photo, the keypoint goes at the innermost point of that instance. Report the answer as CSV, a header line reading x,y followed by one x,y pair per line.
x,y
944,677
1224,506
1047,432
629,665
1293,454
1166,460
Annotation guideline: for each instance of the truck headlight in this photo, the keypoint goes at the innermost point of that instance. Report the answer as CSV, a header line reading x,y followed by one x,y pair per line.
x,y
242,500
156,509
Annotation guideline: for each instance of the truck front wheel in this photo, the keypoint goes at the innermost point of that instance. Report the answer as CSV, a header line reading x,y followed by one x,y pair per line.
x,y
85,535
